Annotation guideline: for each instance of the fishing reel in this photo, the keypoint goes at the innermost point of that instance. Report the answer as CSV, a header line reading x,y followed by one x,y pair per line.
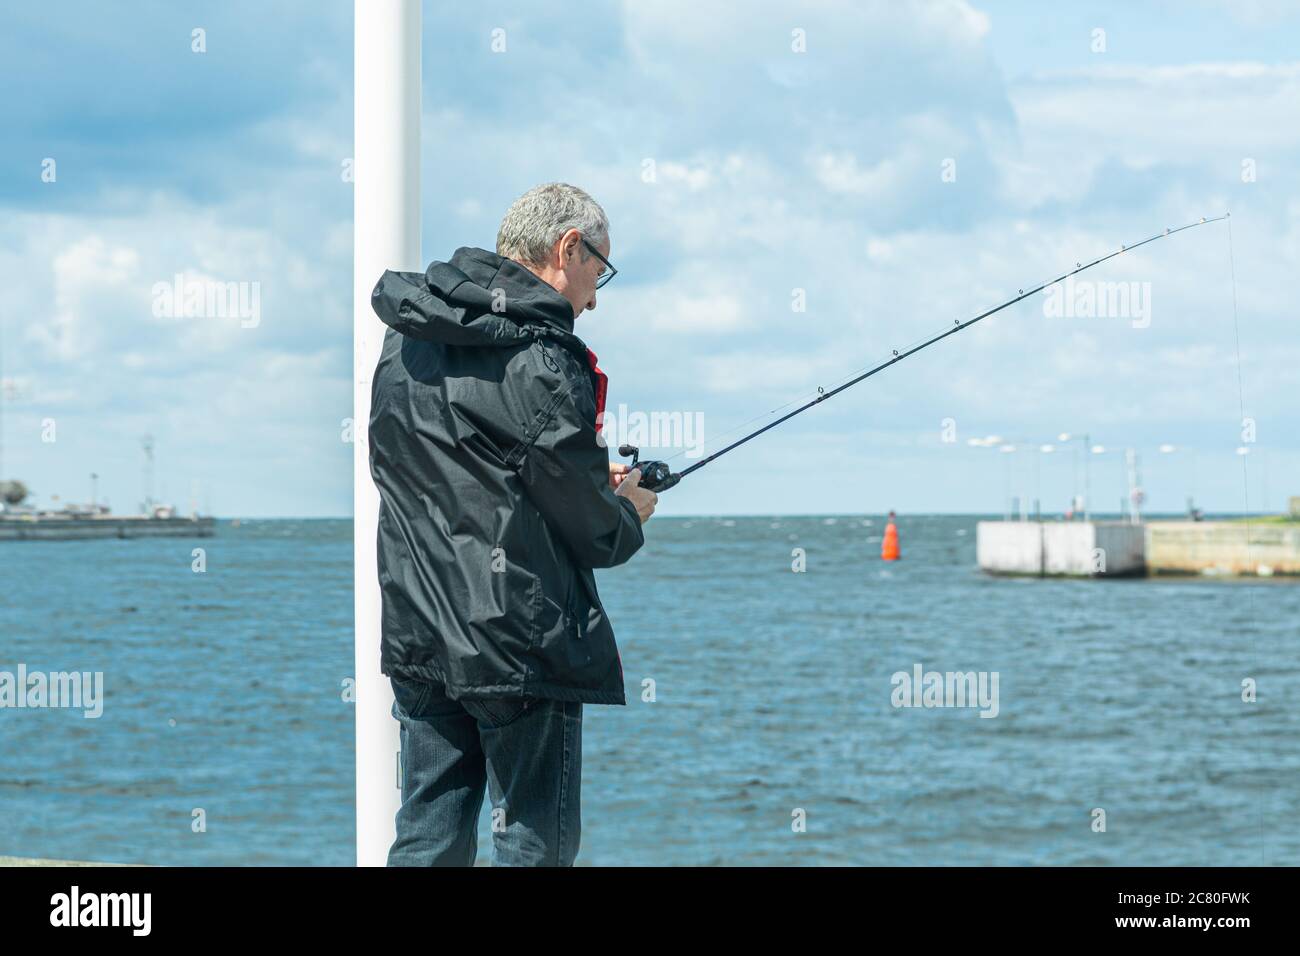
x,y
656,476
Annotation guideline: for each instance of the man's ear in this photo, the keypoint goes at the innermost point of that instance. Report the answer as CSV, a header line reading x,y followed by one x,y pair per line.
x,y
569,246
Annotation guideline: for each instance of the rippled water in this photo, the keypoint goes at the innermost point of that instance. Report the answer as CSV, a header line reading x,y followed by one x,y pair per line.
x,y
772,696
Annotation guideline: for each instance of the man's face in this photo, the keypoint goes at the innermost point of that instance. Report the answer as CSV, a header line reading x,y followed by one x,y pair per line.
x,y
575,279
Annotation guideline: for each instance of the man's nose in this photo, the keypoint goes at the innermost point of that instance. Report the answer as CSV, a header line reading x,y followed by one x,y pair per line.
x,y
591,303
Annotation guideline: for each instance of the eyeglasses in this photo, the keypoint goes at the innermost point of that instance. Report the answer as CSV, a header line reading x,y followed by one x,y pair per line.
x,y
603,279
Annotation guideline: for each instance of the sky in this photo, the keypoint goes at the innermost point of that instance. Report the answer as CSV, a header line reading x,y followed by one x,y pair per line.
x,y
795,190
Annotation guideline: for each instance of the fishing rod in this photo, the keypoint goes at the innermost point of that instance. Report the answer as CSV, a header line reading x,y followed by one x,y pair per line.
x,y
658,476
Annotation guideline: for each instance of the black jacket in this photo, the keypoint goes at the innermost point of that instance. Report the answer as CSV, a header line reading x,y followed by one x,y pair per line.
x,y
495,503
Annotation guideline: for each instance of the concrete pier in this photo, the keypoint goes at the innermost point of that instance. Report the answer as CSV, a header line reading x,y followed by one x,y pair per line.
x,y
1266,547
61,528
1060,548
1263,548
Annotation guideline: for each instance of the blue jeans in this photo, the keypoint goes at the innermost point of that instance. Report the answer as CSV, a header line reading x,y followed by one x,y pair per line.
x,y
526,751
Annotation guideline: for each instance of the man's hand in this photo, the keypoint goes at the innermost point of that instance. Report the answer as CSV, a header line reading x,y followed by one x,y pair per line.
x,y
617,472
629,487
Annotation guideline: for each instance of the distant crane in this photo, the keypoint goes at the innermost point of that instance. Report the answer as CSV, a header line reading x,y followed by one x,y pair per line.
x,y
146,479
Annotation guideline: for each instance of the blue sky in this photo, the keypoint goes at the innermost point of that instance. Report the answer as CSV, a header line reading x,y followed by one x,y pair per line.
x,y
774,170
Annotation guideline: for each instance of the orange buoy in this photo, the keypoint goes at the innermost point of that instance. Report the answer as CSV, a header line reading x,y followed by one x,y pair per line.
x,y
889,544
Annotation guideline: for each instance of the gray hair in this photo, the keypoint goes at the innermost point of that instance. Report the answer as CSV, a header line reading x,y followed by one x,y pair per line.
x,y
536,220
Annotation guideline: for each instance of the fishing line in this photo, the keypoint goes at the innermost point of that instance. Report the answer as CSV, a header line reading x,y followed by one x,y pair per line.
x,y
1245,494
657,476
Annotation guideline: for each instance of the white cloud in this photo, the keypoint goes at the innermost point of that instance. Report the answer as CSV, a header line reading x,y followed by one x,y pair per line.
x,y
87,273
841,173
212,392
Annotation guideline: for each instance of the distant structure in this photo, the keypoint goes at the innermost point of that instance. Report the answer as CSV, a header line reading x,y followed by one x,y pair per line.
x,y
20,521
12,493
1266,546
146,480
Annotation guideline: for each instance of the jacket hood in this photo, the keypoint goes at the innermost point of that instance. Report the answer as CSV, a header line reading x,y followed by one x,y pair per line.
x,y
452,302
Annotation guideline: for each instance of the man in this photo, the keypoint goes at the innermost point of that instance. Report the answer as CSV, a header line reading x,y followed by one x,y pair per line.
x,y
497,501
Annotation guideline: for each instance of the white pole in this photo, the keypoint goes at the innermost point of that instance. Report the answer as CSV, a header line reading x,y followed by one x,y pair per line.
x,y
386,235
